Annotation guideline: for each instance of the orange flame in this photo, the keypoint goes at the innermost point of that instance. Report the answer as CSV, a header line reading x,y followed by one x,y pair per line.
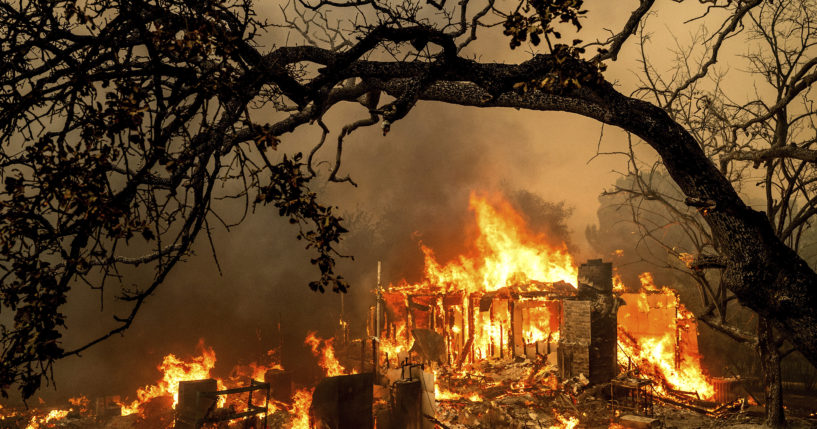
x,y
325,352
390,348
38,422
505,253
301,402
442,394
253,370
565,422
618,283
80,403
173,371
659,335
647,282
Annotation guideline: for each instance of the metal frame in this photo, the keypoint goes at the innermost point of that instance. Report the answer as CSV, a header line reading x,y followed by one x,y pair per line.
x,y
252,410
637,397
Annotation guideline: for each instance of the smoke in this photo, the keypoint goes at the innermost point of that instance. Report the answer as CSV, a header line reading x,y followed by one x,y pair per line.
x,y
413,185
546,218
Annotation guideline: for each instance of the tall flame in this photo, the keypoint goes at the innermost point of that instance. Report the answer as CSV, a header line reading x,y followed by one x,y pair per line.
x,y
325,351
505,253
301,402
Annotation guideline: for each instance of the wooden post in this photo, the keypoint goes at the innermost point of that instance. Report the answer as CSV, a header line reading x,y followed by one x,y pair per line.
x,y
501,340
375,366
377,332
362,355
472,327
512,337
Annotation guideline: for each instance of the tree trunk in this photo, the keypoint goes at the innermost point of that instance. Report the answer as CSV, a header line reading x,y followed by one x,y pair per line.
x,y
770,365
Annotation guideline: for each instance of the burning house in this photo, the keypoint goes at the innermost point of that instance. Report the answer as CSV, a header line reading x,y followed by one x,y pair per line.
x,y
574,327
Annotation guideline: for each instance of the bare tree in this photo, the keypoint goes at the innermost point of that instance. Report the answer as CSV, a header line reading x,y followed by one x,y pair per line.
x,y
122,119
772,127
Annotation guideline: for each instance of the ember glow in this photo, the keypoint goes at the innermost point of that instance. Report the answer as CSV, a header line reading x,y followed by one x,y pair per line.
x,y
38,422
565,422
